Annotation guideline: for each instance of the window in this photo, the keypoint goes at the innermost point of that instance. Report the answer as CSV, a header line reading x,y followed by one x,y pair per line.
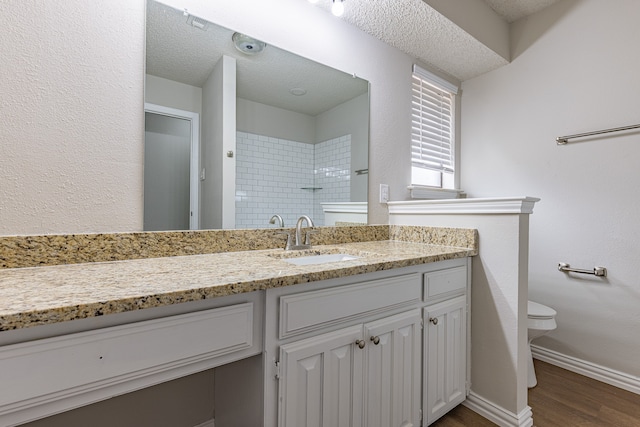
x,y
432,126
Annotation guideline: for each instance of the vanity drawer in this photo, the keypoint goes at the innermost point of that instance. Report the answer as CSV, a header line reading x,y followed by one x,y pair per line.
x,y
445,283
71,366
314,310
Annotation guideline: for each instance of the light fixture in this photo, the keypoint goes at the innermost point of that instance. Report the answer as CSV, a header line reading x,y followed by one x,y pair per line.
x,y
298,91
248,45
338,7
313,1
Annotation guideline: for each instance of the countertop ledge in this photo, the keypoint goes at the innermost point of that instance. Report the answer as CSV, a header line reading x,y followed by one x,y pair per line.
x,y
44,295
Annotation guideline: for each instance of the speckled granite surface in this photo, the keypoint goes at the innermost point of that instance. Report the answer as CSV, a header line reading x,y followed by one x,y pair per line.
x,y
458,237
43,295
32,251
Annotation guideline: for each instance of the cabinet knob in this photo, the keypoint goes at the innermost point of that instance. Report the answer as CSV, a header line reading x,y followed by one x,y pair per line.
x,y
434,320
360,343
376,340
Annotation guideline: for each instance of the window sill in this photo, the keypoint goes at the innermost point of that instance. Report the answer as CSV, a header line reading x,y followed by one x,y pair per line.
x,y
433,193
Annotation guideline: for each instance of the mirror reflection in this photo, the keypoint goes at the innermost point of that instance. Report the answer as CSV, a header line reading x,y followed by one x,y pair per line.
x,y
238,130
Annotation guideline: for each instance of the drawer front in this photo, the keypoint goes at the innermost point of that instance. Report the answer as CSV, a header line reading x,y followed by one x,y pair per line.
x,y
47,369
317,309
445,283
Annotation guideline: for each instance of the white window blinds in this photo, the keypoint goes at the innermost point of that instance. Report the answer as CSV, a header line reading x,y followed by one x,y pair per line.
x,y
431,128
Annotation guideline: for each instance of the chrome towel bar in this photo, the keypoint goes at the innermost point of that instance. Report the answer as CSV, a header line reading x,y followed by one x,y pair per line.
x,y
597,271
562,140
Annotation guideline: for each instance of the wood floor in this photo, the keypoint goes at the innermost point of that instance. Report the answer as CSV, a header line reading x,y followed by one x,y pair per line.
x,y
565,399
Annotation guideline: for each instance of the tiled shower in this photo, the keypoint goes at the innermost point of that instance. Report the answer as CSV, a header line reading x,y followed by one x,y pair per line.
x,y
289,178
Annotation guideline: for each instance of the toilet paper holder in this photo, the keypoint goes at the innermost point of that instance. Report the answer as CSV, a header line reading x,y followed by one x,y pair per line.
x,y
597,271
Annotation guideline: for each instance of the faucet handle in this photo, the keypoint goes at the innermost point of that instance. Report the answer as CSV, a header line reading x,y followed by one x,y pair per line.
x,y
307,240
288,244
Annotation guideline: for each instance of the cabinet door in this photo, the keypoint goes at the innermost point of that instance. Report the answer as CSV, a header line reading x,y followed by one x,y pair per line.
x,y
445,349
392,373
321,381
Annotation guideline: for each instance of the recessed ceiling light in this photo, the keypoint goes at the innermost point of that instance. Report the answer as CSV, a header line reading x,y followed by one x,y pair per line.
x,y
298,91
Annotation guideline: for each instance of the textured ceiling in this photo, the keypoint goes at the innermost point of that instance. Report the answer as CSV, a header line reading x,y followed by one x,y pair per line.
x,y
417,29
180,52
512,10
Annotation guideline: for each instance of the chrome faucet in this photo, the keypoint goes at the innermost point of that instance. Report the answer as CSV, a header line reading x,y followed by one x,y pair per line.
x,y
307,241
277,218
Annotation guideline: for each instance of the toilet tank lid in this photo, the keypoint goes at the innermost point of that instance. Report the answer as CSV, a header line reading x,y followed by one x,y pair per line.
x,y
538,310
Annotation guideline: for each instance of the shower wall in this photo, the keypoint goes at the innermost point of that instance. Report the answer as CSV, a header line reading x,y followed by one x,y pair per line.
x,y
289,178
332,168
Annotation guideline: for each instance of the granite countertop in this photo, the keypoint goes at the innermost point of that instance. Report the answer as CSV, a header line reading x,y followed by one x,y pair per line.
x,y
34,296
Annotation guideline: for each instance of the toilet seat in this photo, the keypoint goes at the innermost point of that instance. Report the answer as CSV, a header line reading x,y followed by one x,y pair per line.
x,y
539,311
540,320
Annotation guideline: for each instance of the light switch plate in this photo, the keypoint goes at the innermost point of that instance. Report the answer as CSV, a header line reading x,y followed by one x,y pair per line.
x,y
384,193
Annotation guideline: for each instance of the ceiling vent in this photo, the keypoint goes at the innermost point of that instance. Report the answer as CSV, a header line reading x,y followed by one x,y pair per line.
x,y
196,22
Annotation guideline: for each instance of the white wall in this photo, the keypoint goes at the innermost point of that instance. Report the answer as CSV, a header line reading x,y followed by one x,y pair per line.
x,y
219,137
262,119
71,138
172,94
575,69
350,118
332,161
498,296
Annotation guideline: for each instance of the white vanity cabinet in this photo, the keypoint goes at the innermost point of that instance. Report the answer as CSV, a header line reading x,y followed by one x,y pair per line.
x,y
445,341
363,375
393,367
46,376
321,380
358,351
382,349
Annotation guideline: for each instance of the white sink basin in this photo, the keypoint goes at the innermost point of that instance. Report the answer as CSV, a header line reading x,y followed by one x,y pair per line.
x,y
320,259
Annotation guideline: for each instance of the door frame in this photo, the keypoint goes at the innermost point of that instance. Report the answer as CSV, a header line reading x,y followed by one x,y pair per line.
x,y
194,166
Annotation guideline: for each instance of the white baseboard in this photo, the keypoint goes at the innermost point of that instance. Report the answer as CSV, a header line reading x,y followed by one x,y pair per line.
x,y
588,369
209,423
497,414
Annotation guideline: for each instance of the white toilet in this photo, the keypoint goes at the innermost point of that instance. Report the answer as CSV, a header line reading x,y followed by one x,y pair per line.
x,y
540,320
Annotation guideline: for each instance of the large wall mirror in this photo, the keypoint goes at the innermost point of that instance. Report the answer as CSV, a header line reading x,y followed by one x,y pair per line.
x,y
237,131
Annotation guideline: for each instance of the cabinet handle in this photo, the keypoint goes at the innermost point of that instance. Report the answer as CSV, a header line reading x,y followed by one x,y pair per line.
x,y
434,320
360,343
376,340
